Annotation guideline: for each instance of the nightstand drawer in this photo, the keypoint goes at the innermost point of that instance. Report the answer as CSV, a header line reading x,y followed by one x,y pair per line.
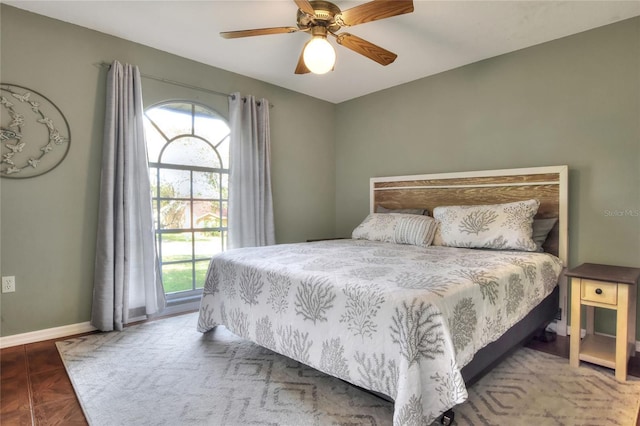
x,y
599,291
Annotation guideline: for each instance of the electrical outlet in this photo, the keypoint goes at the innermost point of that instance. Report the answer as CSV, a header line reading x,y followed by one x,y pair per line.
x,y
8,284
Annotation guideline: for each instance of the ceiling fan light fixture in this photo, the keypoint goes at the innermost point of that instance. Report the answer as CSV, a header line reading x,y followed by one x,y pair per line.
x,y
319,55
320,18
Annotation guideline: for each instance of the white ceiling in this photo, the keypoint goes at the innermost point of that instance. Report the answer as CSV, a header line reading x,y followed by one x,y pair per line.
x,y
437,36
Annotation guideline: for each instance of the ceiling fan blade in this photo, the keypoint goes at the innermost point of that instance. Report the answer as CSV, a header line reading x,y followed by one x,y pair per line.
x,y
259,32
305,6
373,11
368,49
301,68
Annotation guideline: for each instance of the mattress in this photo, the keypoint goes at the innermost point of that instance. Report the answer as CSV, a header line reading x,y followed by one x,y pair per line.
x,y
400,320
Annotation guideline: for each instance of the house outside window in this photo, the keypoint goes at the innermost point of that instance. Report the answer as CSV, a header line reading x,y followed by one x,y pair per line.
x,y
188,148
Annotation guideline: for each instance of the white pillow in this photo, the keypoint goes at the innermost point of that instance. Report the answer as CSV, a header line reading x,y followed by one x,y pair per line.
x,y
495,226
396,228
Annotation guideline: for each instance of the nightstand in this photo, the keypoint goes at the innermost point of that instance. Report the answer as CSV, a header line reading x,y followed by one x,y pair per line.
x,y
609,287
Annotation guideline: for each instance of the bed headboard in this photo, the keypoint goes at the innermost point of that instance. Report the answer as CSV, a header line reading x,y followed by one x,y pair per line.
x,y
547,184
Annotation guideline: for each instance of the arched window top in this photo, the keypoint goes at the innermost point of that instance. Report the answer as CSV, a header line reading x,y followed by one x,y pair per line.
x,y
188,149
184,133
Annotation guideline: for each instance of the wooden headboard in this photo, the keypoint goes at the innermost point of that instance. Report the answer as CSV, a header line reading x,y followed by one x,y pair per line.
x,y
547,184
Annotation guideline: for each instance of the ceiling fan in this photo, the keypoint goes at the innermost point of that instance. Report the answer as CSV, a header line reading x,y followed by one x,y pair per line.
x,y
320,18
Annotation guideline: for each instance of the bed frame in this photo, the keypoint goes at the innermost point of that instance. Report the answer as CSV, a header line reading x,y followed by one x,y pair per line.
x,y
547,184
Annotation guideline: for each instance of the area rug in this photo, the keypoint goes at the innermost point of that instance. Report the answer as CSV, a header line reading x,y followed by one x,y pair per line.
x,y
166,373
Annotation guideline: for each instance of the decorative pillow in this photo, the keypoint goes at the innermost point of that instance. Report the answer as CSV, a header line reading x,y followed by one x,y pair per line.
x,y
398,228
496,226
381,209
541,229
437,237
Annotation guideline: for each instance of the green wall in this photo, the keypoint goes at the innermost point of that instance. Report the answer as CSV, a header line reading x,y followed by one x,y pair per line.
x,y
573,101
48,222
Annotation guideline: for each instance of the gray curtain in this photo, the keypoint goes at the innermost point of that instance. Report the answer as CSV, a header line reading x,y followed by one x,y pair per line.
x,y
127,280
250,213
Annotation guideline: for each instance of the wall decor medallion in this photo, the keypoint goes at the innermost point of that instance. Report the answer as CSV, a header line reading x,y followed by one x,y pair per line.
x,y
34,134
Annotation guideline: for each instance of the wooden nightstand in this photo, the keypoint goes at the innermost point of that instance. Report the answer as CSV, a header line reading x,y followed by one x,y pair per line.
x,y
610,287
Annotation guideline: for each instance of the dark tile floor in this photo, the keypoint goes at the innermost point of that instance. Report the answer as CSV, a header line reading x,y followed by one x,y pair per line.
x,y
35,387
37,391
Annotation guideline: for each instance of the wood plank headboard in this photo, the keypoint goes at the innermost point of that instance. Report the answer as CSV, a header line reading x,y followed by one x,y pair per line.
x,y
547,184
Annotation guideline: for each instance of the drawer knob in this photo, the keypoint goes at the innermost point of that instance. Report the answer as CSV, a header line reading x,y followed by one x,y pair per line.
x,y
598,291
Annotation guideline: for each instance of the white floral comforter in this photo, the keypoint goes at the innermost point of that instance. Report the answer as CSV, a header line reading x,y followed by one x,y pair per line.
x,y
401,320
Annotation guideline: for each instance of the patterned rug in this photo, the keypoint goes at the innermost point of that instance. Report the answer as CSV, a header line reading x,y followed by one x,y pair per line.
x,y
166,373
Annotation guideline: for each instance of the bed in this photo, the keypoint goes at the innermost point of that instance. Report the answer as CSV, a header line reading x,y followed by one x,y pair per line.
x,y
410,307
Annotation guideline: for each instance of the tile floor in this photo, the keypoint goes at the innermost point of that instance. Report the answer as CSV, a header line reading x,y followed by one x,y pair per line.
x,y
35,387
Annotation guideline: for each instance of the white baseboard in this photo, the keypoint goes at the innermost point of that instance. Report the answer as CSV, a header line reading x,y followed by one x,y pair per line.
x,y
84,327
174,309
583,333
46,334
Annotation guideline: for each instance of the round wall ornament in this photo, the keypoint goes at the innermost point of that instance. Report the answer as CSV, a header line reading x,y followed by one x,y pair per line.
x,y
34,134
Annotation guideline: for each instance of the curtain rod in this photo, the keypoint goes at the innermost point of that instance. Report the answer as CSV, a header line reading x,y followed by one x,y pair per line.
x,y
176,83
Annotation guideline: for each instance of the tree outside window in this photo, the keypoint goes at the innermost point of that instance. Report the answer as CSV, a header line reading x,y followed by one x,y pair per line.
x,y
188,148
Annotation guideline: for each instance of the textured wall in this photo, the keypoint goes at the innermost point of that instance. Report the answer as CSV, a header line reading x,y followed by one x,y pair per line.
x,y
48,222
573,101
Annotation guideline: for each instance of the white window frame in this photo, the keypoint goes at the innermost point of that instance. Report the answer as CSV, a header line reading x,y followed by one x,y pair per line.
x,y
158,165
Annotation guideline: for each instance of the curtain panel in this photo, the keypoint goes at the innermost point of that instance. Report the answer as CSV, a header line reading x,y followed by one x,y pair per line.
x,y
250,213
127,277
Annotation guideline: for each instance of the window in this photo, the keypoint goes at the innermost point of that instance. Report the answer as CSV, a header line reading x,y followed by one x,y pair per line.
x,y
188,148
